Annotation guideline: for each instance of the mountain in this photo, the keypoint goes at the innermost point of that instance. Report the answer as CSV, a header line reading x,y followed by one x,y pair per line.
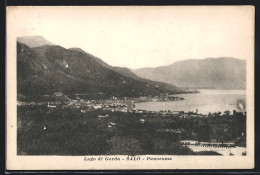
x,y
51,68
93,57
221,73
128,73
34,41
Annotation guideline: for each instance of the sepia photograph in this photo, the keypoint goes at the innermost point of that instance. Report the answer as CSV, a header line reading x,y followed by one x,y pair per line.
x,y
134,87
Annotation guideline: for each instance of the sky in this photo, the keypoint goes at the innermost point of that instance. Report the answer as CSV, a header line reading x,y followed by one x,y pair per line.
x,y
137,37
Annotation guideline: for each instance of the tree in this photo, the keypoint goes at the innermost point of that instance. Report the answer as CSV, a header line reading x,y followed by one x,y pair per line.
x,y
227,112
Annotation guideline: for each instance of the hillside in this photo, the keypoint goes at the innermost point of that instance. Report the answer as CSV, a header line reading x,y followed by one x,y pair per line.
x,y
222,73
128,73
47,69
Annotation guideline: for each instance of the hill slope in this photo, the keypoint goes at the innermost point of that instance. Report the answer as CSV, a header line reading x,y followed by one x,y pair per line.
x,y
128,73
47,69
224,73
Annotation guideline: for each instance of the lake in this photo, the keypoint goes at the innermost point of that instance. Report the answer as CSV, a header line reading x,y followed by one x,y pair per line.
x,y
208,100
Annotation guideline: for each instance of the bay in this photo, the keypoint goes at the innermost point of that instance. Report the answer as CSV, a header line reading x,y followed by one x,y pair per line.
x,y
208,100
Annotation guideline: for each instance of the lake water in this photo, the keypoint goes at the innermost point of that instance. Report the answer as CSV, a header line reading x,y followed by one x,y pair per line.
x,y
206,101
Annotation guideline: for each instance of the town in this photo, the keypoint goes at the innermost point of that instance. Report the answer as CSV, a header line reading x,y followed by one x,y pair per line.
x,y
79,101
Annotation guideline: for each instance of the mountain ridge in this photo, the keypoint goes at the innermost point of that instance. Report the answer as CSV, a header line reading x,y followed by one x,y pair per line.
x,y
50,68
221,73
125,71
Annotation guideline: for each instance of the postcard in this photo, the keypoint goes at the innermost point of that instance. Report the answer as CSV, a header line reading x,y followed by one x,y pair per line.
x,y
130,87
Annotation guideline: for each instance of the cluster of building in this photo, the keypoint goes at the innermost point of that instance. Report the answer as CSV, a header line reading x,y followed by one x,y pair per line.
x,y
225,149
113,104
163,97
206,144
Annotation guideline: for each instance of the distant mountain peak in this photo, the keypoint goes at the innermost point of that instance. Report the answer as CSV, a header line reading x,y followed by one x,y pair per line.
x,y
221,72
34,41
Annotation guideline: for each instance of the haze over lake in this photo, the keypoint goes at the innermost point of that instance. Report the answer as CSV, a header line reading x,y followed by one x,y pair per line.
x,y
208,100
